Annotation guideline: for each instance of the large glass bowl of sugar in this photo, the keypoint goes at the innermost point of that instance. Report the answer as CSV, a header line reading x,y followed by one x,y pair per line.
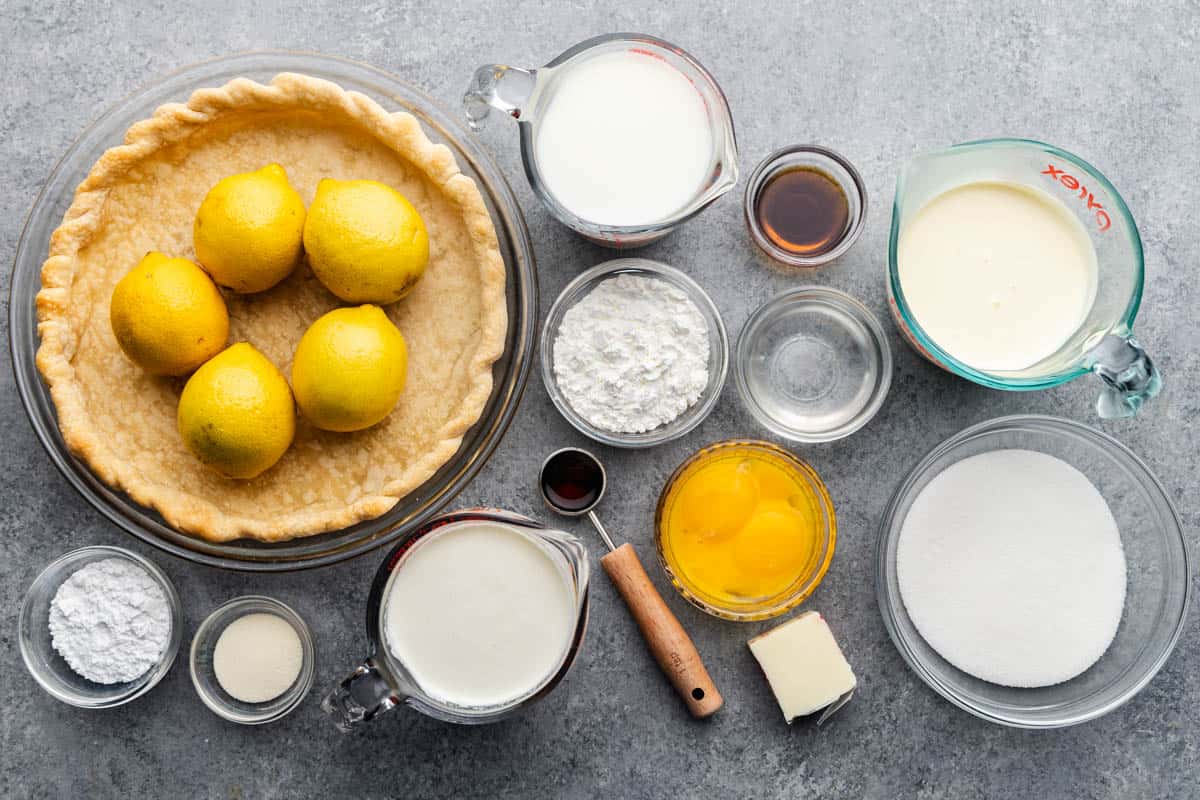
x,y
1157,587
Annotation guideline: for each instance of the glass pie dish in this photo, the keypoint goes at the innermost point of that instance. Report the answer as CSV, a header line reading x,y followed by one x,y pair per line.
x,y
1157,579
510,372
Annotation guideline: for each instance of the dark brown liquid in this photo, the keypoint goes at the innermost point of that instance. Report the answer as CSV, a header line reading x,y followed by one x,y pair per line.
x,y
572,481
803,211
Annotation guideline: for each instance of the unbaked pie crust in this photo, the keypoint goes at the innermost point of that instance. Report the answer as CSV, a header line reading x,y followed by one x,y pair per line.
x,y
143,196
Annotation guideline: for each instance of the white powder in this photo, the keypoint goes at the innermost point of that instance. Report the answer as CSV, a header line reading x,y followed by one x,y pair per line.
x,y
632,355
258,657
1011,567
110,620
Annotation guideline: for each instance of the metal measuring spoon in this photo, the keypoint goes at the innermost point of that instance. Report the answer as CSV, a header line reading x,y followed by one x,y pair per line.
x,y
572,481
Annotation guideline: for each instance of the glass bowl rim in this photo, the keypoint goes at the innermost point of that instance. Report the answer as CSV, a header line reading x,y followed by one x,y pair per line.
x,y
856,309
788,601
136,689
303,552
254,603
890,606
691,417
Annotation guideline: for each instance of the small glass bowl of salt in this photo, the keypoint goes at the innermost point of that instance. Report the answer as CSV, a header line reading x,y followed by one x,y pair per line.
x,y
48,666
267,665
634,353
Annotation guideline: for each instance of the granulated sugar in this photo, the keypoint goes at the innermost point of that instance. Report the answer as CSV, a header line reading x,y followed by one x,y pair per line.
x,y
1011,567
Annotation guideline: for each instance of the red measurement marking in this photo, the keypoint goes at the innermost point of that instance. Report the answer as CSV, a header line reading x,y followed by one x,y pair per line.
x,y
644,52
641,51
1103,221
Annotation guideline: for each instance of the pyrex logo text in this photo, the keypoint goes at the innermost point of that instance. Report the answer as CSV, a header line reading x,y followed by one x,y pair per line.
x,y
1103,221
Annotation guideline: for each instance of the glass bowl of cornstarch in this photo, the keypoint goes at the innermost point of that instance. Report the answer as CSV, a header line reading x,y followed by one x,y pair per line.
x,y
634,353
100,626
1033,572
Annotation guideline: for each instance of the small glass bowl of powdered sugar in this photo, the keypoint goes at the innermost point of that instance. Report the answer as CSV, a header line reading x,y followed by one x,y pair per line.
x,y
100,626
634,353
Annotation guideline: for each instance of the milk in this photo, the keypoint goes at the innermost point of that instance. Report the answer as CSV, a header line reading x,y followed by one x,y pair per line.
x,y
624,139
479,614
999,275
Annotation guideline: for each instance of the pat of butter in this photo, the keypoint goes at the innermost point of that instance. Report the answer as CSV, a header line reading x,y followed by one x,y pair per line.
x,y
804,666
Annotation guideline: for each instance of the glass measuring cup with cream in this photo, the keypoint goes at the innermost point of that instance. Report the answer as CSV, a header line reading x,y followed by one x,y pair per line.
x,y
477,615
623,136
1016,265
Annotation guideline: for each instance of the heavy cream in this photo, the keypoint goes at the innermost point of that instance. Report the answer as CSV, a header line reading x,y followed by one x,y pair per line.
x,y
998,274
624,139
479,614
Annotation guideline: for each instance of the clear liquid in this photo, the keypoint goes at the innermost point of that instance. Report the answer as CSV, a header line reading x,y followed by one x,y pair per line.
x,y
812,368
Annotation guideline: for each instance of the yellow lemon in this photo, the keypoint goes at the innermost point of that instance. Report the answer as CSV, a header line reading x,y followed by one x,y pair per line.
x,y
349,369
168,316
249,228
236,413
365,241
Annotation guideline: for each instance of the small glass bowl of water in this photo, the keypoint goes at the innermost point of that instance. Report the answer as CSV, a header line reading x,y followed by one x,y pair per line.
x,y
813,364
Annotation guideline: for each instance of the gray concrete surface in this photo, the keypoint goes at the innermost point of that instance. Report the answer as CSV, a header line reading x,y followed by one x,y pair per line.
x,y
1115,81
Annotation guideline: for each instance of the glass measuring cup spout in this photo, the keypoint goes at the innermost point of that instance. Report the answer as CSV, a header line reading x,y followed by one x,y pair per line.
x,y
525,95
506,89
381,682
1103,343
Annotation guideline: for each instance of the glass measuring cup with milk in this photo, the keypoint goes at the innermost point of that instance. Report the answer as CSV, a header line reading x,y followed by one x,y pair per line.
x,y
623,136
477,615
1016,265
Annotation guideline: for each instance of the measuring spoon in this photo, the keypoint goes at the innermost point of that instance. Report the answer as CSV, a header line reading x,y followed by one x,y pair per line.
x,y
572,482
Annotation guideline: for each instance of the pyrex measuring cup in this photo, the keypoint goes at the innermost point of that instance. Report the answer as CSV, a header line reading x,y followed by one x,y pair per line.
x,y
523,93
1104,342
381,682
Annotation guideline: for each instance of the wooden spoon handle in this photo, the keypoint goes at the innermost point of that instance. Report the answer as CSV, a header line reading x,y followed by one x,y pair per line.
x,y
666,638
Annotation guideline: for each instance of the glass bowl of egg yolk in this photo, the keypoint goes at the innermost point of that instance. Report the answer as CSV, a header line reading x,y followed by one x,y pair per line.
x,y
745,530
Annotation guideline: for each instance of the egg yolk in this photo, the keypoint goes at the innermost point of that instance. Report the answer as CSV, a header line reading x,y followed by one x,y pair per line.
x,y
718,501
771,551
742,528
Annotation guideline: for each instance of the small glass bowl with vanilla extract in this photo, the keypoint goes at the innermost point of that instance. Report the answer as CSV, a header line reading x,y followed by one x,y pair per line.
x,y
805,205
